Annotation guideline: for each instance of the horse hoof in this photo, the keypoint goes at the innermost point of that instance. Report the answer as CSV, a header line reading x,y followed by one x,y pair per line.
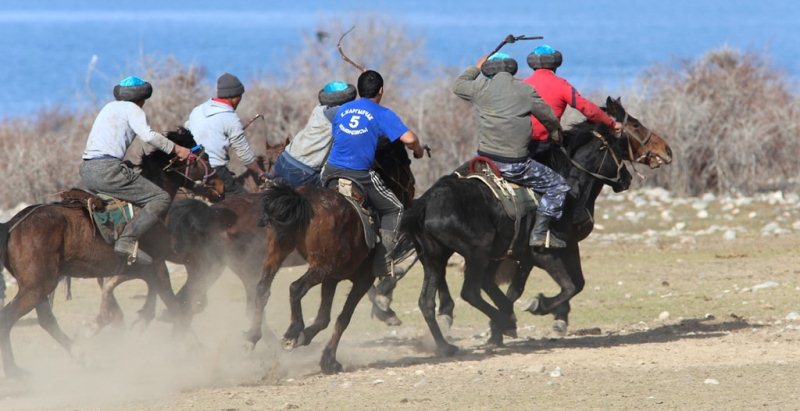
x,y
393,321
494,342
448,350
511,333
560,328
533,306
382,302
331,367
288,344
445,320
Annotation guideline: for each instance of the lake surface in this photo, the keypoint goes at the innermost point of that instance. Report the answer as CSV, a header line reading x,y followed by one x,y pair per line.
x,y
47,45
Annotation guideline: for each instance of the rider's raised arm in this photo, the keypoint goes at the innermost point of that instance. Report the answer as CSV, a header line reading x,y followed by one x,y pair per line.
x,y
466,85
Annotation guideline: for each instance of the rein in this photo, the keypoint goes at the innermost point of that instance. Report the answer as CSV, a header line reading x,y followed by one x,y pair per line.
x,y
605,147
185,174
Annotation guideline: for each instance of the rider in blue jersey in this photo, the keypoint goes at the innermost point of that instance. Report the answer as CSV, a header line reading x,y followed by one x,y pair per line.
x,y
357,127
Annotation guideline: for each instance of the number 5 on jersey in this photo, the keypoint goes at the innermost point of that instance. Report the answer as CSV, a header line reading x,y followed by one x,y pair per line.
x,y
354,121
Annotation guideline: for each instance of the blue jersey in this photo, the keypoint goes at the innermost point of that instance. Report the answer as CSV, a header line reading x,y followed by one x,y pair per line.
x,y
357,127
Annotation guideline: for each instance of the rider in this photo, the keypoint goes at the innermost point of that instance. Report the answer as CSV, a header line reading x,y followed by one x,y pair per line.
x,y
357,127
558,93
503,106
215,125
301,161
102,168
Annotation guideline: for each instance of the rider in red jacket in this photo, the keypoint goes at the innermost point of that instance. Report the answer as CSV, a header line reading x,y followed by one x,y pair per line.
x,y
558,93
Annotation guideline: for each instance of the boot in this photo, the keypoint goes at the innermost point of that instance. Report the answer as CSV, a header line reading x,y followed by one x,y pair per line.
x,y
382,261
542,236
127,245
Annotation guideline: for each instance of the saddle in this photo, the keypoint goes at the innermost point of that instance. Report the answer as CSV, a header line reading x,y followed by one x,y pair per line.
x,y
108,214
354,193
517,201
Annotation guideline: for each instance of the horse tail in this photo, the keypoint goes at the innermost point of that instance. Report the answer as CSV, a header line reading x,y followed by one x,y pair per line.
x,y
286,210
4,233
411,226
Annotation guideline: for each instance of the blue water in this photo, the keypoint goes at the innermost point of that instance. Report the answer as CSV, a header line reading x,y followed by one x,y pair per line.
x,y
47,45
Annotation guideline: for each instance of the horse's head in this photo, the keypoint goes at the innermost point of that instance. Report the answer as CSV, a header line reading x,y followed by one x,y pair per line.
x,y
271,154
394,166
644,146
194,173
594,152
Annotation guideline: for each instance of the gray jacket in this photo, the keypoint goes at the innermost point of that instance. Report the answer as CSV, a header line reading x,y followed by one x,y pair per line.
x,y
312,144
503,106
216,126
114,129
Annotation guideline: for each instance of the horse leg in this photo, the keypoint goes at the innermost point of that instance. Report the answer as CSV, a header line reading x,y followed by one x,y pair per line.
x,y
502,302
434,269
381,297
163,285
361,284
147,313
323,314
519,280
474,278
275,255
561,312
47,320
26,299
557,264
446,303
110,311
297,290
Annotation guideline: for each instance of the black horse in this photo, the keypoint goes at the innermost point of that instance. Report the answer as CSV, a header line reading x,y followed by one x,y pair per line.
x,y
462,216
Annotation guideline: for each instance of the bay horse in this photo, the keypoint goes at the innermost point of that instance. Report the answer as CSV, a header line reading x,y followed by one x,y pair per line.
x,y
45,242
324,227
462,216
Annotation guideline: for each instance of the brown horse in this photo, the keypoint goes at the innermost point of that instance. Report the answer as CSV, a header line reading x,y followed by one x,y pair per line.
x,y
324,227
44,242
210,239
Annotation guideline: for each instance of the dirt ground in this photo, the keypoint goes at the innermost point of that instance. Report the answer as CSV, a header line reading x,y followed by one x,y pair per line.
x,y
689,304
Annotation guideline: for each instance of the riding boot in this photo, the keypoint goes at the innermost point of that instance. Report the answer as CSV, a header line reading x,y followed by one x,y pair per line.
x,y
542,236
382,261
127,244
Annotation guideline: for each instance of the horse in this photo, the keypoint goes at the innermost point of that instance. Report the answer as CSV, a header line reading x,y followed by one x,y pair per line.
x,y
45,242
458,215
205,236
325,228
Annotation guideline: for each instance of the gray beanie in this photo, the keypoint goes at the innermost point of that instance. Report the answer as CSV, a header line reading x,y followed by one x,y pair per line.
x,y
229,86
336,93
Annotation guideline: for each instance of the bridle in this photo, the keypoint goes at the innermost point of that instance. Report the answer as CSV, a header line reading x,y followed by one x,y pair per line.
x,y
208,171
646,154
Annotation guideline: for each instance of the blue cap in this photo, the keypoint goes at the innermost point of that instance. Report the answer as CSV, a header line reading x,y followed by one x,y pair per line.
x,y
543,49
131,81
499,56
334,86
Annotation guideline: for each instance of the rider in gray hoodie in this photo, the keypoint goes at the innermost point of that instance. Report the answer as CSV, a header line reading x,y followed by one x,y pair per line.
x,y
216,126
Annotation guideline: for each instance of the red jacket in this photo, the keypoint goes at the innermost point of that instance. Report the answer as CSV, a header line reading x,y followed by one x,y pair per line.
x,y
558,93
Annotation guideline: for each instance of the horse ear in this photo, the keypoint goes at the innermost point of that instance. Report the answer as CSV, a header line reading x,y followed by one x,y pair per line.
x,y
286,143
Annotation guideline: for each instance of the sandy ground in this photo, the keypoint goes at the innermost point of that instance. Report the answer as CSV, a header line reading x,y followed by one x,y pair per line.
x,y
678,313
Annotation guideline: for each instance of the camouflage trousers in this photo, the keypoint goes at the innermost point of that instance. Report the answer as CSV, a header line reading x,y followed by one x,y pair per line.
x,y
541,179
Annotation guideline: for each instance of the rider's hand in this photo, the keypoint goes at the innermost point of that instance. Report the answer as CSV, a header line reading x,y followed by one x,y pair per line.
x,y
418,152
480,62
182,152
617,129
262,178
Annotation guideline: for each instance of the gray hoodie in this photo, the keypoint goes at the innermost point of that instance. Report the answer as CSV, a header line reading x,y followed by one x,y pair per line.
x,y
216,126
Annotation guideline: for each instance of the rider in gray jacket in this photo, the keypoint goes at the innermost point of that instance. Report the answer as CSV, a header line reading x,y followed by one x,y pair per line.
x,y
503,106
